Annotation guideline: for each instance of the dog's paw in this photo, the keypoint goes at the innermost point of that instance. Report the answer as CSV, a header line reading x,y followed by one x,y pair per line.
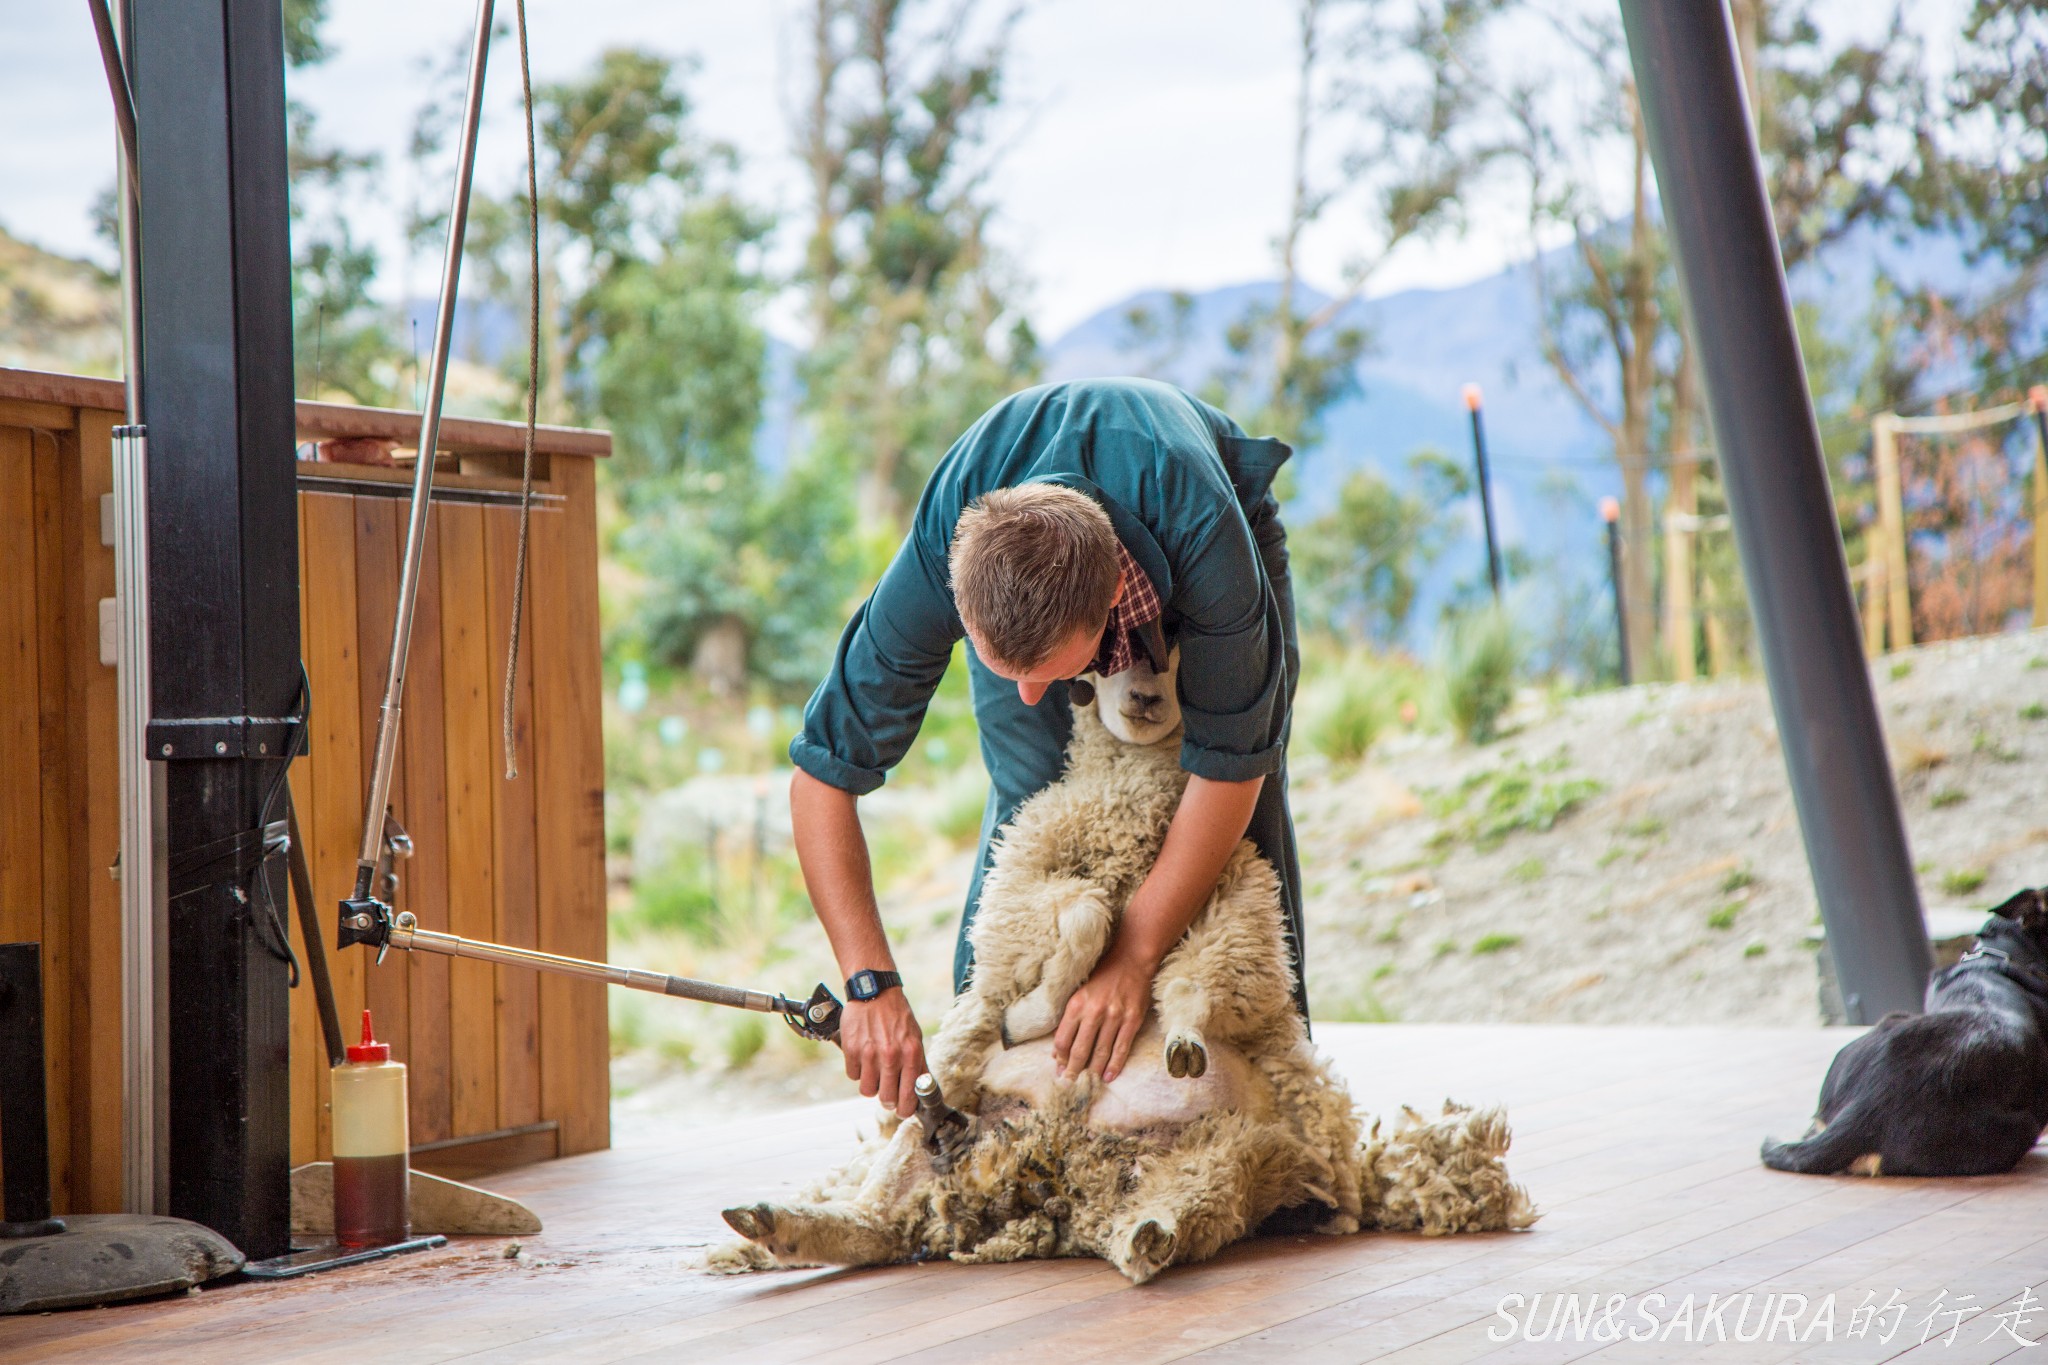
x,y
1186,1058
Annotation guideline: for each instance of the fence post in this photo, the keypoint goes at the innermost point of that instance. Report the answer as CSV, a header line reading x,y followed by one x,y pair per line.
x,y
1891,515
2037,399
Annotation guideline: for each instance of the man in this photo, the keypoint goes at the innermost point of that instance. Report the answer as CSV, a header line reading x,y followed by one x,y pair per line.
x,y
1073,528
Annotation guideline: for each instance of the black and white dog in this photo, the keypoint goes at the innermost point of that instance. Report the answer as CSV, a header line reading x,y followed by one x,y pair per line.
x,y
1959,1090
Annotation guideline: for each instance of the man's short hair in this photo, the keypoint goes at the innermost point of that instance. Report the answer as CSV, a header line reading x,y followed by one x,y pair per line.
x,y
1031,566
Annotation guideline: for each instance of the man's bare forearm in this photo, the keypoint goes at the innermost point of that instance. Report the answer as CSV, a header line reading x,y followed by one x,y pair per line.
x,y
883,1045
834,855
1206,828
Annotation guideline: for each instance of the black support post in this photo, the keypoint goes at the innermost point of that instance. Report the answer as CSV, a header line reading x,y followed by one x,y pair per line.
x,y
1710,184
24,1107
208,78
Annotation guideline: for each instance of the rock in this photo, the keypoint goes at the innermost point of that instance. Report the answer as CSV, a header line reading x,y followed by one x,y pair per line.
x,y
444,1206
110,1257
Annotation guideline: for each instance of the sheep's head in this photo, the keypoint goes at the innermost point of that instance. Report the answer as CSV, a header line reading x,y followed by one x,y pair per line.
x,y
1139,705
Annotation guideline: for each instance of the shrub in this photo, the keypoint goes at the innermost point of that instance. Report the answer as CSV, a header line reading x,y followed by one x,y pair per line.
x,y
1344,712
1963,880
677,896
1481,656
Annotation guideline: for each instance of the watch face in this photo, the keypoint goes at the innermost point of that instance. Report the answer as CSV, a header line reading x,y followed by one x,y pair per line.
x,y
862,987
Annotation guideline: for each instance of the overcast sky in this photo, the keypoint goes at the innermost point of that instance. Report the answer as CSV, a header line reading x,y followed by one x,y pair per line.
x,y
1148,145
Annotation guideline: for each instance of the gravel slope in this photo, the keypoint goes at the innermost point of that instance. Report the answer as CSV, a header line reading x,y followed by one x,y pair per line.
x,y
1675,890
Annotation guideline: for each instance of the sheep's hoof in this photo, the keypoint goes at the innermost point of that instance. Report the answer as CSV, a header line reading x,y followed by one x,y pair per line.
x,y
1186,1058
756,1224
1151,1251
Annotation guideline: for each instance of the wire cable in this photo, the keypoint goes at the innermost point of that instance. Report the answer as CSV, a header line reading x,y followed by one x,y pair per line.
x,y
532,404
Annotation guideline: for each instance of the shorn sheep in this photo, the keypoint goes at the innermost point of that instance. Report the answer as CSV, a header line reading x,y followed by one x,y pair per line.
x,y
1224,1120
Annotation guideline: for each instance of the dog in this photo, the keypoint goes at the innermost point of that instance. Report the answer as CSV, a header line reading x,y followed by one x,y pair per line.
x,y
1959,1090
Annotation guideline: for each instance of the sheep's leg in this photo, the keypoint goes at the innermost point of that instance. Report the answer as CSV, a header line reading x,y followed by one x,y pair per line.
x,y
821,1234
1226,980
868,1229
1192,1201
1084,918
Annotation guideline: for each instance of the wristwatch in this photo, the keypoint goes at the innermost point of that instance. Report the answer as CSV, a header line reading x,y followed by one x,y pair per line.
x,y
866,985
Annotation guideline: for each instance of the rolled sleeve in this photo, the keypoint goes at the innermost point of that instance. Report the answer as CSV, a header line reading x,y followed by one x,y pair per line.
x,y
862,719
1233,664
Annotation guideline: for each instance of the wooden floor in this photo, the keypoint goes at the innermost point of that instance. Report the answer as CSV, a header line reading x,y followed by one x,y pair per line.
x,y
1639,1144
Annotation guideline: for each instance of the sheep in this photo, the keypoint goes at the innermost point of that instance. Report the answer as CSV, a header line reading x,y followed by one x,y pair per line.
x,y
1224,1118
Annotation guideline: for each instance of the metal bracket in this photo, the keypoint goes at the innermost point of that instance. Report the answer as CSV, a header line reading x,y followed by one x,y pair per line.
x,y
397,847
224,737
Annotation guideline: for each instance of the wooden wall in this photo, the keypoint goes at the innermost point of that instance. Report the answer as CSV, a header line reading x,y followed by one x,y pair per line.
x,y
518,861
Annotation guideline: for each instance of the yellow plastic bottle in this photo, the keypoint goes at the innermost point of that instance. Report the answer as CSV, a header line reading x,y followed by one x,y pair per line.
x,y
370,1167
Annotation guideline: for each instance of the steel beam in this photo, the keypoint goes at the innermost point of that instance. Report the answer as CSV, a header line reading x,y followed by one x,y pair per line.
x,y
208,79
1711,187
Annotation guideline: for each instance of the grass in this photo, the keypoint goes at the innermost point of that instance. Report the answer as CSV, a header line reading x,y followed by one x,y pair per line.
x,y
1724,918
744,1041
1948,796
1963,880
1740,879
1983,743
1493,943
1446,947
1613,855
1526,871
1390,934
1345,710
2034,710
1649,827
1756,949
1383,971
1901,669
1482,653
1363,1006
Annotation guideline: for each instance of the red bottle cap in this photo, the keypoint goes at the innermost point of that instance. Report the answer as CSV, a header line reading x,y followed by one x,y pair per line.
x,y
369,1050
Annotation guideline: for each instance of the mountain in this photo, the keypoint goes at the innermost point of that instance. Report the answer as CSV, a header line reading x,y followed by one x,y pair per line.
x,y
1551,461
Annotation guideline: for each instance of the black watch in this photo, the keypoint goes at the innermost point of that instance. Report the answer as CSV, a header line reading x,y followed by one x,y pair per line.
x,y
866,985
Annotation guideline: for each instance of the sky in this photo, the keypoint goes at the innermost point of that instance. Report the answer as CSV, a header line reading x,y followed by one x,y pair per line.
x,y
1148,144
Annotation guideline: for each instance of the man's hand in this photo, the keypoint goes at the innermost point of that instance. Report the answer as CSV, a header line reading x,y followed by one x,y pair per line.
x,y
884,1049
1103,1017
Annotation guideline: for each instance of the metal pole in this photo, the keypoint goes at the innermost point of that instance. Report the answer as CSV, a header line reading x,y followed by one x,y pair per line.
x,y
1472,405
1711,186
144,1072
386,752
1610,512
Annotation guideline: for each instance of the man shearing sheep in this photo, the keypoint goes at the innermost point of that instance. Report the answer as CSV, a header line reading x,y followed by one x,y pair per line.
x,y
1074,528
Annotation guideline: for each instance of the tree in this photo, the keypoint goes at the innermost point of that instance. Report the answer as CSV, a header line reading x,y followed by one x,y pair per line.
x,y
341,343
915,327
1358,565
1372,77
1843,129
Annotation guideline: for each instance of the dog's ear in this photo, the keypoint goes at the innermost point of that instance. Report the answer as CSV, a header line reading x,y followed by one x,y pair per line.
x,y
2028,909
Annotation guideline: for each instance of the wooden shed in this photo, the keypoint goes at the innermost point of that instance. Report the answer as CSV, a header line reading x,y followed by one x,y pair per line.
x,y
506,1066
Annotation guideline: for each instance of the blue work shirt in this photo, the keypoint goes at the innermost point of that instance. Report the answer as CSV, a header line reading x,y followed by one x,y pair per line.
x,y
1184,488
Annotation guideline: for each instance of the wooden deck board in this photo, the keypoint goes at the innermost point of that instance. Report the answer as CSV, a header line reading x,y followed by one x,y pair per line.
x,y
1640,1145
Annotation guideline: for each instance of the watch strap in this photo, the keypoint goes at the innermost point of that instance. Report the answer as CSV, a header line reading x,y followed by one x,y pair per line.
x,y
867,984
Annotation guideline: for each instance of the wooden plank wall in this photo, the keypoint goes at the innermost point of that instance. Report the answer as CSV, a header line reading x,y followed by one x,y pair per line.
x,y
518,860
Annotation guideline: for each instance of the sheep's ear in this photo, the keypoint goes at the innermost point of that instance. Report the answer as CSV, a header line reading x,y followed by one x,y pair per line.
x,y
1081,692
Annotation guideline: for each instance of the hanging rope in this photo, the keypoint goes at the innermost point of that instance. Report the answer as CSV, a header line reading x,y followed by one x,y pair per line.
x,y
532,402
